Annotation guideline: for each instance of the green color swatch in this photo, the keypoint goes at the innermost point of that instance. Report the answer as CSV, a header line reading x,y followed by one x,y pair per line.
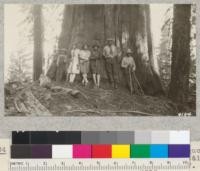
x,y
140,151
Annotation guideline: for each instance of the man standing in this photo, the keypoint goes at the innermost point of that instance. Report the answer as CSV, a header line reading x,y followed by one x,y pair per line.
x,y
129,67
110,53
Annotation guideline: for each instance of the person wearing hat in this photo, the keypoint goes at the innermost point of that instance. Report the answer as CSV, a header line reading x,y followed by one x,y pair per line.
x,y
128,65
110,53
95,65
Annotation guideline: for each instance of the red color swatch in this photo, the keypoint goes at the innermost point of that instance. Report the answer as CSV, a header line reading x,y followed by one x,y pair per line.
x,y
101,151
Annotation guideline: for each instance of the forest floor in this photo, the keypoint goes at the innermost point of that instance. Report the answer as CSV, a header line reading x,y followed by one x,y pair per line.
x,y
84,101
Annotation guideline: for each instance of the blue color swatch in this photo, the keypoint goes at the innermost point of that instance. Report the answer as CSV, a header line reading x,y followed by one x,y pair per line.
x,y
159,151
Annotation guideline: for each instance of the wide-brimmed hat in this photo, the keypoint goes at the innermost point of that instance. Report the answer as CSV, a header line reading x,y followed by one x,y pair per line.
x,y
129,51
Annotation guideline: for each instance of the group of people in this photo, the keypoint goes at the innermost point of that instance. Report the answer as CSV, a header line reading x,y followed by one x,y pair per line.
x,y
83,60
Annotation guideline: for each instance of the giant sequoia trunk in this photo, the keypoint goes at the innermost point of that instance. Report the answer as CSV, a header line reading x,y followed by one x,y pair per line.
x,y
38,42
129,25
179,85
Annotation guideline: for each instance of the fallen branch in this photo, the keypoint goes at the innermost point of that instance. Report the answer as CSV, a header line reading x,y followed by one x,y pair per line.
x,y
26,102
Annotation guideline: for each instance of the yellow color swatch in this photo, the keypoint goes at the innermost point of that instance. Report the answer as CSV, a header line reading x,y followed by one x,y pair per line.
x,y
120,151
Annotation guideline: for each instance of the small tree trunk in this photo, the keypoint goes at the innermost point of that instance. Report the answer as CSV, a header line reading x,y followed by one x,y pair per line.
x,y
179,85
38,42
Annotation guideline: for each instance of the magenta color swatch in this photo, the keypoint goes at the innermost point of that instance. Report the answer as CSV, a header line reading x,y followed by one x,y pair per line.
x,y
82,151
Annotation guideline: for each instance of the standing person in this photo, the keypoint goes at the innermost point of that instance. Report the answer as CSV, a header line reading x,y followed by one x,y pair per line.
x,y
84,63
110,53
74,67
128,65
61,65
95,65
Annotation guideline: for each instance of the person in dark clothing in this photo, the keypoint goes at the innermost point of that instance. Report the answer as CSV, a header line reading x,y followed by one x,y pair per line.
x,y
110,53
95,65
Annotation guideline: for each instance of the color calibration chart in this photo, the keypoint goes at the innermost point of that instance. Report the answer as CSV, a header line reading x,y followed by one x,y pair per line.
x,y
100,151
77,144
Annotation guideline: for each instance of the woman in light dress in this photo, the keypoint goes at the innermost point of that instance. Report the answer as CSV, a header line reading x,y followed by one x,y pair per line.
x,y
74,67
84,63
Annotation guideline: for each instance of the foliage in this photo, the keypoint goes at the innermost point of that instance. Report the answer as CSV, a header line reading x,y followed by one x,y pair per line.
x,y
20,59
22,55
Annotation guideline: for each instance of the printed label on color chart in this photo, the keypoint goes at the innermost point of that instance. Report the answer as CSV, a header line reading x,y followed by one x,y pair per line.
x,y
195,156
4,154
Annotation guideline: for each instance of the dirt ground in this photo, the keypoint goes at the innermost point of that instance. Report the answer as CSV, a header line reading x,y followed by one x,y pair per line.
x,y
91,101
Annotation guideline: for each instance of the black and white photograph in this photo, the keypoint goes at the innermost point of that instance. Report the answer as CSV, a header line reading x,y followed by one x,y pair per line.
x,y
100,59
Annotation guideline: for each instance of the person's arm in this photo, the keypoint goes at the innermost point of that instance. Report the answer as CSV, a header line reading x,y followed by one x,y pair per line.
x,y
89,54
82,55
123,64
134,66
104,51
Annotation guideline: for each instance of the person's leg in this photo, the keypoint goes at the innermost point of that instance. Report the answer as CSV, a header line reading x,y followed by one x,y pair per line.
x,y
72,78
85,80
109,71
98,80
94,79
86,71
115,72
129,79
125,74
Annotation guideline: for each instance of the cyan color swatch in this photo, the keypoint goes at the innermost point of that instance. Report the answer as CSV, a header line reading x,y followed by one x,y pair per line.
x,y
159,151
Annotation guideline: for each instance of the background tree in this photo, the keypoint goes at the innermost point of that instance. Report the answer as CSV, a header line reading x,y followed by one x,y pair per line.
x,y
127,24
38,41
180,69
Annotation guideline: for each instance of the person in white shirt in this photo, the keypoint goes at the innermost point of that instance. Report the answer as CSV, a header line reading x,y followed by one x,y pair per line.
x,y
128,65
110,53
84,63
74,66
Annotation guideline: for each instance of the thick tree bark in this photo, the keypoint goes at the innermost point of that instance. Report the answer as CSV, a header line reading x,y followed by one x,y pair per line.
x,y
38,42
141,42
129,25
82,24
179,85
